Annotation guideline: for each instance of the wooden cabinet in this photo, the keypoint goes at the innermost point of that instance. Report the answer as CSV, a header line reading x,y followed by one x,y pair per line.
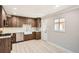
x,y
38,22
27,37
0,16
16,21
34,23
21,21
34,35
9,20
3,17
12,21
5,45
38,35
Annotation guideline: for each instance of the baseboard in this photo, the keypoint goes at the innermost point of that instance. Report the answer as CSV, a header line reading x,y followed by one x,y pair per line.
x,y
67,50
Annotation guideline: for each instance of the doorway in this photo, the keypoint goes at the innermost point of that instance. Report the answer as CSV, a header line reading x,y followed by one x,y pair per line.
x,y
44,29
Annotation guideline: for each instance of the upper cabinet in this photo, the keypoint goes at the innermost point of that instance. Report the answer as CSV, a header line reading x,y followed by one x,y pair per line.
x,y
34,23
16,21
9,19
39,22
21,21
0,16
3,17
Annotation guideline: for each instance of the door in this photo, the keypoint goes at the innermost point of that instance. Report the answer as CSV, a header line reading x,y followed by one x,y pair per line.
x,y
44,27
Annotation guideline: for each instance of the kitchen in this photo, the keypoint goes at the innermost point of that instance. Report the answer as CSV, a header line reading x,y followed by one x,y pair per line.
x,y
15,29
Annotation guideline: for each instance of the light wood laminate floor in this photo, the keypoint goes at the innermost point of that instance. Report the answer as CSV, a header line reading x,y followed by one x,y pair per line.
x,y
35,46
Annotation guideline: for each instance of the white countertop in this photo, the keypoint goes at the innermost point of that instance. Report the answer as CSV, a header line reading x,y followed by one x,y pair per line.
x,y
12,30
19,30
1,37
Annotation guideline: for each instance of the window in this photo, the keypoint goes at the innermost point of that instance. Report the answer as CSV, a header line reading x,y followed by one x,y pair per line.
x,y
59,25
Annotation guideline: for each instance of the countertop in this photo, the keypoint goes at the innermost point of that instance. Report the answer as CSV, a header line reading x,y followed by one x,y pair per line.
x,y
19,29
1,37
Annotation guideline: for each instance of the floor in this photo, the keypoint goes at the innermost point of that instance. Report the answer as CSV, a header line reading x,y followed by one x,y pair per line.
x,y
35,46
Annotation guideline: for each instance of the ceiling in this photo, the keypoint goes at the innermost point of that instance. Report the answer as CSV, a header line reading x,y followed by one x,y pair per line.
x,y
33,10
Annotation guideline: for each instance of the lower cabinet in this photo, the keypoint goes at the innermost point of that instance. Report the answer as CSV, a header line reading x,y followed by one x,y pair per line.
x,y
5,45
34,35
27,37
38,35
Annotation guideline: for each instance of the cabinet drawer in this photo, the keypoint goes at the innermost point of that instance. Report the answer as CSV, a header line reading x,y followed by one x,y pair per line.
x,y
28,37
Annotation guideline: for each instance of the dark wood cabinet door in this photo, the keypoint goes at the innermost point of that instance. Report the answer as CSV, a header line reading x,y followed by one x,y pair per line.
x,y
2,46
9,20
5,45
8,45
38,35
39,22
21,21
0,16
28,37
34,35
34,23
3,17
12,21
16,21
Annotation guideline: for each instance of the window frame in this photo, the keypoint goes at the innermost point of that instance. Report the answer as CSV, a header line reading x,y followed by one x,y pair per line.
x,y
59,23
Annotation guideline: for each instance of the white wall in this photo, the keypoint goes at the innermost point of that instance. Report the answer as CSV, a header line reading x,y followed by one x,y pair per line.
x,y
70,38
